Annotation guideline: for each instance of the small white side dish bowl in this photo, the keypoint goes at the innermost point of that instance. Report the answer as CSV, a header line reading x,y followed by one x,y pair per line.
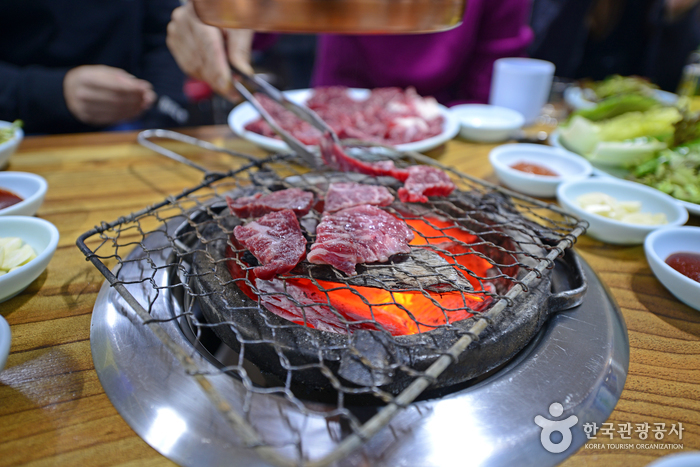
x,y
569,167
661,244
487,123
681,459
10,146
30,187
42,236
5,339
613,231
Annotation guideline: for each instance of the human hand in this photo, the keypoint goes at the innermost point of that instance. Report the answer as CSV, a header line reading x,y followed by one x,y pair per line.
x,y
203,51
103,95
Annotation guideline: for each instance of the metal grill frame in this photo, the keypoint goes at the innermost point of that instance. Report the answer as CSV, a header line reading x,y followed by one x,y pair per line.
x,y
247,433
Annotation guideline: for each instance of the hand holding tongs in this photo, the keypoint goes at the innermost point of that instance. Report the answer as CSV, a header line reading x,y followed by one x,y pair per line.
x,y
301,111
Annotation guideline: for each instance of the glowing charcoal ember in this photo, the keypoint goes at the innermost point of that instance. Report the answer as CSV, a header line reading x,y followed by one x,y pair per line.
x,y
366,307
297,200
361,234
275,240
424,181
457,246
344,195
335,307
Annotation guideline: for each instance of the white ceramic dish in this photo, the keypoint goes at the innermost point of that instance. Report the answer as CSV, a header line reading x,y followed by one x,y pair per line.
x,y
487,123
575,97
30,187
42,236
569,167
659,245
5,340
9,147
613,231
681,459
244,113
616,172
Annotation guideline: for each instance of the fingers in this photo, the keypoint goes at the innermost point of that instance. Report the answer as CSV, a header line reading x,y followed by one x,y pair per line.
x,y
102,95
198,49
203,52
238,44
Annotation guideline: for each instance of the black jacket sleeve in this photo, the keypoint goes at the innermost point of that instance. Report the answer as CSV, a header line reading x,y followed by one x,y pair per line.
x,y
35,95
160,69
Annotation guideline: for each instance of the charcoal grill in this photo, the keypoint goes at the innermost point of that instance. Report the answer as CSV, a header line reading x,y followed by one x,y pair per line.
x,y
163,239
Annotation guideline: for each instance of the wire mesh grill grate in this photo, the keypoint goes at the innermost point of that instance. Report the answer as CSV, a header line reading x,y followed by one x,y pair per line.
x,y
384,335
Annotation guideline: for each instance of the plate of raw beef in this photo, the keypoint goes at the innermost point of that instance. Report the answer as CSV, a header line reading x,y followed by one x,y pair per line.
x,y
391,116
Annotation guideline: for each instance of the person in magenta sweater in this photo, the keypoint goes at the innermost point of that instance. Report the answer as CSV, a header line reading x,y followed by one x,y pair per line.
x,y
454,66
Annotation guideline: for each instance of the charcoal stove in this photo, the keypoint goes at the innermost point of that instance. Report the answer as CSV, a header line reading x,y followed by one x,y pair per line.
x,y
197,410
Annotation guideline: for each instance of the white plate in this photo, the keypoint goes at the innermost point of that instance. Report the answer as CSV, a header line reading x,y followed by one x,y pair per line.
x,y
5,340
576,99
244,113
605,171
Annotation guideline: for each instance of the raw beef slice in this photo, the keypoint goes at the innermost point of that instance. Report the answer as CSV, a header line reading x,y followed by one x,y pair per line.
x,y
297,200
424,181
344,195
361,234
275,240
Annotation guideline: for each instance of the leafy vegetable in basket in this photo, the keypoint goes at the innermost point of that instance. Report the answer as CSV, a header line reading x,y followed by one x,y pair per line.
x,y
618,105
622,141
8,132
616,85
675,172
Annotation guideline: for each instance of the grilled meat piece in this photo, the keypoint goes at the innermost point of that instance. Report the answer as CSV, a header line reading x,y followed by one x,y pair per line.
x,y
349,194
361,234
424,181
297,200
275,240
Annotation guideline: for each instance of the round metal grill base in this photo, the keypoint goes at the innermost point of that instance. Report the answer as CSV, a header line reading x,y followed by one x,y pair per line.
x,y
579,359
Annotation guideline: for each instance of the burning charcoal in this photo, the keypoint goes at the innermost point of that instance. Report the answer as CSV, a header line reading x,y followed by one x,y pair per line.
x,y
370,359
419,269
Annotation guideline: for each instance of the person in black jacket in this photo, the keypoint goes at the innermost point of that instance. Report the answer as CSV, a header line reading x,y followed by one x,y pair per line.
x,y
81,65
598,38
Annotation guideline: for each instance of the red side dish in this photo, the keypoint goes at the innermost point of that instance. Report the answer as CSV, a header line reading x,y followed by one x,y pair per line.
x,y
686,263
7,199
531,168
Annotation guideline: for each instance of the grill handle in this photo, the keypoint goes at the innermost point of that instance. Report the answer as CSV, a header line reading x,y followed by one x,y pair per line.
x,y
569,286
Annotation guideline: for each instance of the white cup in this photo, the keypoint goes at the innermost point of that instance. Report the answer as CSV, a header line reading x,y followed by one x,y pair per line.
x,y
521,84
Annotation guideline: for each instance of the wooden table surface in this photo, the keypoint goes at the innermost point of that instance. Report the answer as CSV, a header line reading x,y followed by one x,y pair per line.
x,y
53,410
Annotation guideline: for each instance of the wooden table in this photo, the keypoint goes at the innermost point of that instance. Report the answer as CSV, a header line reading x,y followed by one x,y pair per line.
x,y
53,410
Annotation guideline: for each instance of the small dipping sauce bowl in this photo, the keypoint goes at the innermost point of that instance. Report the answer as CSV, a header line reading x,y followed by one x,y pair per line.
x,y
566,165
487,123
661,244
30,187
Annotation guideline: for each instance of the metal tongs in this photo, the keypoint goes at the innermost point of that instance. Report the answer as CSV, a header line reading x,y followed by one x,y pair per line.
x,y
259,85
